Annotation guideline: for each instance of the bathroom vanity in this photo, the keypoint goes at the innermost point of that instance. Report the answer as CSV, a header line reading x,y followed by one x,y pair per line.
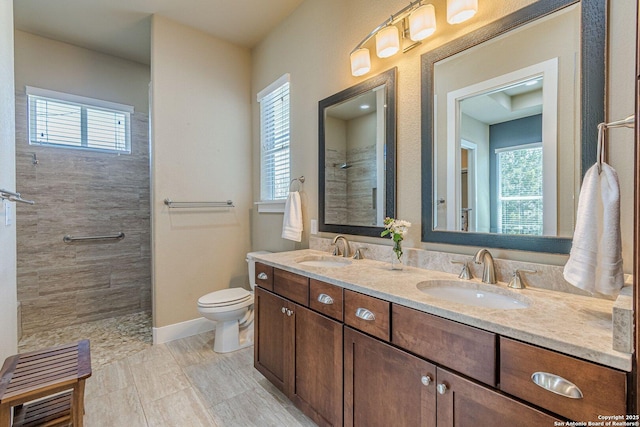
x,y
352,342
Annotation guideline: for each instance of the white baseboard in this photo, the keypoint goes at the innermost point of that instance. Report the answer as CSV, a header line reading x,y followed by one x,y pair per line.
x,y
182,330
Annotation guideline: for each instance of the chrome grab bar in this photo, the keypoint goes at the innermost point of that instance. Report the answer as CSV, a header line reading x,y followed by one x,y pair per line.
x,y
14,197
173,204
70,239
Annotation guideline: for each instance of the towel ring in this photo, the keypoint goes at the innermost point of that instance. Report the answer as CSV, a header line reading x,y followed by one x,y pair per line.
x,y
300,180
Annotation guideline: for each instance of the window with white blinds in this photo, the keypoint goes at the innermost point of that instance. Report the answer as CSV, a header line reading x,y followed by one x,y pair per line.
x,y
274,140
520,207
63,120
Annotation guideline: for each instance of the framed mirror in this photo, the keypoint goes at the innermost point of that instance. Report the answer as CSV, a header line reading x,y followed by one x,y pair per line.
x,y
357,157
509,126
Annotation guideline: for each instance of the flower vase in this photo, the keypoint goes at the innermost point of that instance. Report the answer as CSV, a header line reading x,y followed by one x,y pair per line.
x,y
397,260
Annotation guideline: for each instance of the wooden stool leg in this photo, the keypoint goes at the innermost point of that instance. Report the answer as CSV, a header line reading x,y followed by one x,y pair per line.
x,y
5,415
77,404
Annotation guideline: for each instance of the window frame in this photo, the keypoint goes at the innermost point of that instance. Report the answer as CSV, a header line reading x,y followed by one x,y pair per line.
x,y
499,197
269,200
86,105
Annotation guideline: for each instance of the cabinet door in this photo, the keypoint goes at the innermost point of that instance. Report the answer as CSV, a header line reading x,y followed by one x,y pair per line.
x,y
465,403
384,386
274,337
318,367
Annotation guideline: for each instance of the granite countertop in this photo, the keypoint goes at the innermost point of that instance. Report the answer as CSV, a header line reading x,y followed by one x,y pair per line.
x,y
575,325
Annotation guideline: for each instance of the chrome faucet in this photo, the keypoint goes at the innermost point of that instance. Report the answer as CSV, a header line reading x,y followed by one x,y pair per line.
x,y
346,250
483,256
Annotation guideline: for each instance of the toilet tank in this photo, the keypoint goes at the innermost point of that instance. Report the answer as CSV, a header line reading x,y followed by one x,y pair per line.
x,y
252,266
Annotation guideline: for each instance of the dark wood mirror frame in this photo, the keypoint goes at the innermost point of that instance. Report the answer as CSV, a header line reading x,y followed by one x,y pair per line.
x,y
388,78
593,27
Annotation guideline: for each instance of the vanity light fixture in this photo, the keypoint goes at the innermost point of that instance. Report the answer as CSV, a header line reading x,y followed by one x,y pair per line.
x,y
460,10
387,41
418,22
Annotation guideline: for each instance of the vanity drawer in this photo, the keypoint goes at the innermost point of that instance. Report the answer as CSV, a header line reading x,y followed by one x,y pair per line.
x,y
291,286
603,389
368,314
326,299
264,276
463,348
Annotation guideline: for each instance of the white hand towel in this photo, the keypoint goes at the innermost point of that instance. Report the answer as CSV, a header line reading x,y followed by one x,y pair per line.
x,y
292,221
595,261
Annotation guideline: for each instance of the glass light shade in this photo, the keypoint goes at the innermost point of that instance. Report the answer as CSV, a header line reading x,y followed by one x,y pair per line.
x,y
387,41
360,62
422,22
460,10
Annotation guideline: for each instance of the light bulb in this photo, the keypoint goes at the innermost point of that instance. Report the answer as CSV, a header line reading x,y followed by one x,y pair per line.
x,y
360,62
387,41
460,10
422,22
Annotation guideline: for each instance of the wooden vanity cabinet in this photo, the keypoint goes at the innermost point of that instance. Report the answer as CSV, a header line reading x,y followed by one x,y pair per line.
x,y
300,352
595,390
394,365
385,386
273,339
465,349
462,403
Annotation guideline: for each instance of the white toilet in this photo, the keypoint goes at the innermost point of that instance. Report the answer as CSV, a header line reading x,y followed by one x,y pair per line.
x,y
232,310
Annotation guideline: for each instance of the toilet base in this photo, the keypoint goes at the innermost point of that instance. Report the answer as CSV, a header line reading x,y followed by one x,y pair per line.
x,y
231,337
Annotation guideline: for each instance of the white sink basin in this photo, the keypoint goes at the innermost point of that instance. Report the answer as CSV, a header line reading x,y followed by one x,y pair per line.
x,y
475,294
323,261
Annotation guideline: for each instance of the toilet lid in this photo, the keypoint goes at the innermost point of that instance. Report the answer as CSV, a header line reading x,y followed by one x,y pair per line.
x,y
224,297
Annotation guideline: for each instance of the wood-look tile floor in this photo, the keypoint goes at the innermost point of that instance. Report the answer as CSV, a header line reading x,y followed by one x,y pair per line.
x,y
185,383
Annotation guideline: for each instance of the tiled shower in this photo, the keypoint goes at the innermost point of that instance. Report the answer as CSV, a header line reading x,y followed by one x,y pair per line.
x,y
81,193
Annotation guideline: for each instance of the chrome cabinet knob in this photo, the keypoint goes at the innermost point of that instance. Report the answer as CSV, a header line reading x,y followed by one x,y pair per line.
x,y
284,310
289,312
263,276
325,299
442,388
426,380
365,314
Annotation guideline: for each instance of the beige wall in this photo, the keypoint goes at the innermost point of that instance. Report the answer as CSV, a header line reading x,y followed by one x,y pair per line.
x,y
8,298
201,150
54,65
318,38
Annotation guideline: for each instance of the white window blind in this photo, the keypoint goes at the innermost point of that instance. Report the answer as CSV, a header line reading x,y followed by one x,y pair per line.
x,y
520,208
274,140
60,119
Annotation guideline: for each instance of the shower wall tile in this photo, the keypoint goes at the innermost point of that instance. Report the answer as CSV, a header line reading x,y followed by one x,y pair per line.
x,y
82,193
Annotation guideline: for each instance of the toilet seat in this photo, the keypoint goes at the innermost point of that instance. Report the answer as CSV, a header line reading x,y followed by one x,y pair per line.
x,y
225,298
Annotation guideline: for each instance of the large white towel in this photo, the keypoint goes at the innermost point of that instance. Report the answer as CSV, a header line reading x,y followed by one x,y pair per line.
x,y
595,261
292,222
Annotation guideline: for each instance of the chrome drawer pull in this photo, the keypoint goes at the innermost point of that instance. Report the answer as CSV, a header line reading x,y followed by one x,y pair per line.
x,y
365,314
442,388
263,276
556,384
426,380
325,299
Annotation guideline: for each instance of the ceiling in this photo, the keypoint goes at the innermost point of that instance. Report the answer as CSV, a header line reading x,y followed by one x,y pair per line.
x,y
122,27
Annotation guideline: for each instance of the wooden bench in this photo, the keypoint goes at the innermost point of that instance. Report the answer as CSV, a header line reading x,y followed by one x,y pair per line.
x,y
45,387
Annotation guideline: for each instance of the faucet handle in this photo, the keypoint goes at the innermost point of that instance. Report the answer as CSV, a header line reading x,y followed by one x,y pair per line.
x,y
517,282
465,273
359,254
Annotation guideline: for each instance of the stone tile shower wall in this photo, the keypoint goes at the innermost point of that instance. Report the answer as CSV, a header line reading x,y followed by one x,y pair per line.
x,y
81,193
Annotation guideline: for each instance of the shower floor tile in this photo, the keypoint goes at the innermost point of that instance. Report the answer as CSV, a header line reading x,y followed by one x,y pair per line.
x,y
111,339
